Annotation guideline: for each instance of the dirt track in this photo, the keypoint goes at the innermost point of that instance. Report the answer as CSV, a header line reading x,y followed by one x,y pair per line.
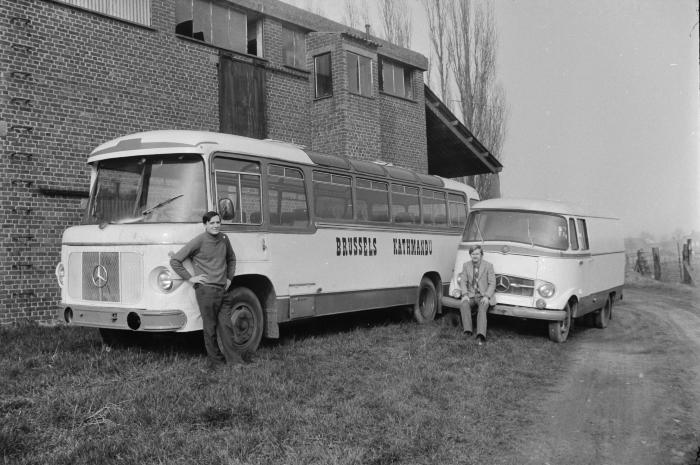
x,y
632,393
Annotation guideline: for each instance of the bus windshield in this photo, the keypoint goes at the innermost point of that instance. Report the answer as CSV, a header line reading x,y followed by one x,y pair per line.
x,y
532,228
152,189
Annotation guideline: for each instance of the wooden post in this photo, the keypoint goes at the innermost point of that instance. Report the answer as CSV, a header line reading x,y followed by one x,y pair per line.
x,y
657,263
687,249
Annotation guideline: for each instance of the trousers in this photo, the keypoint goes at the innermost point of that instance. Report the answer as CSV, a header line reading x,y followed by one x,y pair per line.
x,y
465,309
209,300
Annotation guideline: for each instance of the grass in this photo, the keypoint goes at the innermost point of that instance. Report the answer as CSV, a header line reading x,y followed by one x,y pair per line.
x,y
371,388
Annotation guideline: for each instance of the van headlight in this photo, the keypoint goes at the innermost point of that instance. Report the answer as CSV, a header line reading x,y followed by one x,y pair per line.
x,y
60,274
546,289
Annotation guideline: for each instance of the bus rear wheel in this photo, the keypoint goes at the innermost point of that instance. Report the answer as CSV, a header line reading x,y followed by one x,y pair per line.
x,y
242,322
426,304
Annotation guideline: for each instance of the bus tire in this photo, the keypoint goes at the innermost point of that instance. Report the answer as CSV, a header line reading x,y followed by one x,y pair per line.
x,y
559,330
602,316
245,321
426,304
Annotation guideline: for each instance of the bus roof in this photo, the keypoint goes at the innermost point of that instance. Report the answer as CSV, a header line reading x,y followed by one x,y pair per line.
x,y
538,205
176,141
183,141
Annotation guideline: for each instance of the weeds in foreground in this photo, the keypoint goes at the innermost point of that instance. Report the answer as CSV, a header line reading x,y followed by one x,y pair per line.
x,y
361,392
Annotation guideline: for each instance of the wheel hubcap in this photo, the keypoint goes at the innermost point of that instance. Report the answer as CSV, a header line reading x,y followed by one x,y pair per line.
x,y
243,323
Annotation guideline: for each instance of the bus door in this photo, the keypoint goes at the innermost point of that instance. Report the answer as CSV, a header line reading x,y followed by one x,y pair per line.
x,y
239,203
295,248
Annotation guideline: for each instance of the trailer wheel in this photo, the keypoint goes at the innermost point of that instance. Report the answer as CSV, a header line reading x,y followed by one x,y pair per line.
x,y
602,316
426,303
559,330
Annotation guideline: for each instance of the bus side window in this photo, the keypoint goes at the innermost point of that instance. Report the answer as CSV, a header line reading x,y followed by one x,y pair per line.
x,y
405,207
582,234
238,191
287,197
376,195
573,237
434,207
332,196
458,209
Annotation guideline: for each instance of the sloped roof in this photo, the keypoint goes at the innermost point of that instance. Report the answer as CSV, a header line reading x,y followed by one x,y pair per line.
x,y
453,150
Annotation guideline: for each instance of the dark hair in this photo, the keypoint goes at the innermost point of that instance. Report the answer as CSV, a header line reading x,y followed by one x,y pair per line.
x,y
208,216
475,248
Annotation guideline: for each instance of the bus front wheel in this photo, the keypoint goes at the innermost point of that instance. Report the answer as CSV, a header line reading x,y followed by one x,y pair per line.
x,y
242,322
426,303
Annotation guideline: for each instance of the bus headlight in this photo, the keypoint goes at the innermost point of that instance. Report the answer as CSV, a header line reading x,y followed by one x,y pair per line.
x,y
164,280
60,274
546,289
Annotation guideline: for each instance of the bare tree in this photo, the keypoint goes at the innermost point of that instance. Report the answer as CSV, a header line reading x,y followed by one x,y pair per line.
x,y
356,14
438,28
473,43
395,16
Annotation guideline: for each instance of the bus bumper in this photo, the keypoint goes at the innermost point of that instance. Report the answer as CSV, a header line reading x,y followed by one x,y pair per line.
x,y
123,318
515,311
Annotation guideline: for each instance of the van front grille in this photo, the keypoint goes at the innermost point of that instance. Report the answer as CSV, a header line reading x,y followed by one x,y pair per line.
x,y
514,285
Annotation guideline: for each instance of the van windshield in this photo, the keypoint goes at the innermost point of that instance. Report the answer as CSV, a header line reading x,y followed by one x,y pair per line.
x,y
532,228
152,189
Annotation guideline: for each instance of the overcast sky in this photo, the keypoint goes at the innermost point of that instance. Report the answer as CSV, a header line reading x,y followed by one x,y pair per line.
x,y
603,98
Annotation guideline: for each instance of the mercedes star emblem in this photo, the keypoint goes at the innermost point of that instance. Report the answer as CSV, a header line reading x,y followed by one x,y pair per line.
x,y
502,283
99,276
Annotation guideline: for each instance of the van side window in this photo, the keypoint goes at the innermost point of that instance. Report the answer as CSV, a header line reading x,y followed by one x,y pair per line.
x,y
582,234
573,237
287,197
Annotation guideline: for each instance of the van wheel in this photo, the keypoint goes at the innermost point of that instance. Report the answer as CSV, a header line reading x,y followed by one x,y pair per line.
x,y
559,330
426,303
242,322
602,316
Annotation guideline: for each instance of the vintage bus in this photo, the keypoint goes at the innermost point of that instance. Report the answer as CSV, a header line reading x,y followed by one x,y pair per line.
x,y
314,234
553,261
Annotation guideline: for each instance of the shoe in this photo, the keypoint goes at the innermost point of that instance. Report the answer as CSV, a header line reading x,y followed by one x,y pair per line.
x,y
468,333
480,340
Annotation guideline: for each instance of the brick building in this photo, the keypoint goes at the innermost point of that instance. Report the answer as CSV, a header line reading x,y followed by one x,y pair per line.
x,y
75,73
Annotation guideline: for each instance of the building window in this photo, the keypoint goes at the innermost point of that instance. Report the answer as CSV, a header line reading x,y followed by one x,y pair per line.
x,y
359,74
323,76
294,48
136,11
213,23
396,80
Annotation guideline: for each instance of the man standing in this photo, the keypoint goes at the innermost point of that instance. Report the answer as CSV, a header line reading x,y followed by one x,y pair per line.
x,y
214,264
478,285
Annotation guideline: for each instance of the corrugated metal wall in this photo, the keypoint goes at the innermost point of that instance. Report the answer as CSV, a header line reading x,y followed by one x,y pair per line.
x,y
137,11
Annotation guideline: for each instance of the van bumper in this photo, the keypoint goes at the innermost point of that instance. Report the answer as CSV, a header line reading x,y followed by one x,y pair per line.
x,y
514,310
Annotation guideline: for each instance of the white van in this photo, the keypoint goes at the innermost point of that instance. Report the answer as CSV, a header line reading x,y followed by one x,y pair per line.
x,y
553,261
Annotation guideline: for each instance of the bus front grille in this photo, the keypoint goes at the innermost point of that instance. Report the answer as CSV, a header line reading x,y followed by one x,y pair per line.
x,y
105,276
514,285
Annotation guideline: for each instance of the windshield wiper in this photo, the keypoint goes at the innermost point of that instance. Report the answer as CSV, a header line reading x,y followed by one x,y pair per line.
x,y
164,202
